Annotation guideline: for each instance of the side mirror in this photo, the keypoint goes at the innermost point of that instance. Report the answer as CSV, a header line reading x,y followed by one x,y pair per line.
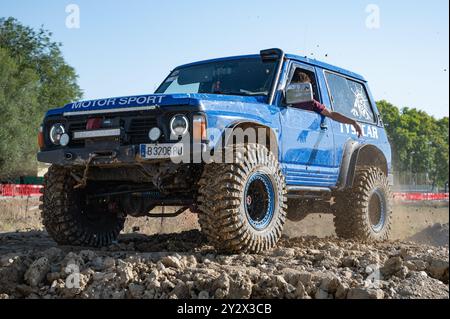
x,y
299,93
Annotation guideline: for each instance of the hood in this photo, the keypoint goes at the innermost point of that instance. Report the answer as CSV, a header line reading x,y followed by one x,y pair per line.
x,y
147,102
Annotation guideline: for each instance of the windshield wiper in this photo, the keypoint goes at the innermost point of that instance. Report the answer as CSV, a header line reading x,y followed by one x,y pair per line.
x,y
253,93
247,93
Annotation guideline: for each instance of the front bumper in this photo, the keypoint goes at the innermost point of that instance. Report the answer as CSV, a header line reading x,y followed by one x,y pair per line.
x,y
122,155
81,156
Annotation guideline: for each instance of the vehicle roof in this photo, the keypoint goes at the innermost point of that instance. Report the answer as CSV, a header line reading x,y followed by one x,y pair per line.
x,y
303,59
326,66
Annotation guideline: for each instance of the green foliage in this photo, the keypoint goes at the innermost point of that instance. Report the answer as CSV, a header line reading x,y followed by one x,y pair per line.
x,y
33,78
419,141
18,115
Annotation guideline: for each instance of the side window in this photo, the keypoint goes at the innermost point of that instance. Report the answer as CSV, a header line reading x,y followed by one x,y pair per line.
x,y
349,98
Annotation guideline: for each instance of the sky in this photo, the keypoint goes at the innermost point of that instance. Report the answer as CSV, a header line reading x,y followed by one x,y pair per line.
x,y
128,47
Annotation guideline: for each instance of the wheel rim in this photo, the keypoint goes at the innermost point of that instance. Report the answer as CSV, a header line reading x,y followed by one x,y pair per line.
x,y
259,200
377,211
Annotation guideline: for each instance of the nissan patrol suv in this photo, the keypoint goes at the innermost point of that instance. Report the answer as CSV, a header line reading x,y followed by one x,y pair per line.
x,y
226,140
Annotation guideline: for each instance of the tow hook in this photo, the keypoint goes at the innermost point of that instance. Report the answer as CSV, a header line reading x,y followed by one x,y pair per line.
x,y
83,182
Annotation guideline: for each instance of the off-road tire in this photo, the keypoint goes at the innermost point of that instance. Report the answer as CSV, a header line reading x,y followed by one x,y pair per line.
x,y
223,217
353,210
65,218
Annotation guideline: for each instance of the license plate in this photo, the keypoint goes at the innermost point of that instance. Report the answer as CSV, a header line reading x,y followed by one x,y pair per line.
x,y
155,151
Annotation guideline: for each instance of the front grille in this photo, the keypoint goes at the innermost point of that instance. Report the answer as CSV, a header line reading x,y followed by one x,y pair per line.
x,y
138,129
77,126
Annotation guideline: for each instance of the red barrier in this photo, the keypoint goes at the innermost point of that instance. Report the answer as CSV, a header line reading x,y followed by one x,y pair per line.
x,y
421,196
12,190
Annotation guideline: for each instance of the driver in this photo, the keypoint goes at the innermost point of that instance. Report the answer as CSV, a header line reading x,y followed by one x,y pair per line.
x,y
315,106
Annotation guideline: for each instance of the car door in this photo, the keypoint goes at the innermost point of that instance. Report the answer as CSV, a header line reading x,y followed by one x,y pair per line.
x,y
351,97
307,142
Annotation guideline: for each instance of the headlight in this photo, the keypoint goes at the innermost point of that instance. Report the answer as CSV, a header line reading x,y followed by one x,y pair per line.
x,y
64,140
154,134
56,132
179,125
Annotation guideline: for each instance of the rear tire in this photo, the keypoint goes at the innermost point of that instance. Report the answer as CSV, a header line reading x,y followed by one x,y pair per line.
x,y
365,212
242,206
70,220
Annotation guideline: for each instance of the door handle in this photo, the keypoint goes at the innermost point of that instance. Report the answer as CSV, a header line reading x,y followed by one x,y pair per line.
x,y
323,123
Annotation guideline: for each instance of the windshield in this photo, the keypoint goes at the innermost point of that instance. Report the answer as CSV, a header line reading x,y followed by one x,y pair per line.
x,y
246,76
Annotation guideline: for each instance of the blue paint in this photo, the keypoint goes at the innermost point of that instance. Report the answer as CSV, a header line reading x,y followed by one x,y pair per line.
x,y
326,66
160,100
310,147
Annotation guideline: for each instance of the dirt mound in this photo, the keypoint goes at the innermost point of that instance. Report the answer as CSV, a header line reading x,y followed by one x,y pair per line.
x,y
436,235
409,220
135,267
143,265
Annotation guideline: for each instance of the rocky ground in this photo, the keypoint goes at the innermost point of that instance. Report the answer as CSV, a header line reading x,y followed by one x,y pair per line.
x,y
183,265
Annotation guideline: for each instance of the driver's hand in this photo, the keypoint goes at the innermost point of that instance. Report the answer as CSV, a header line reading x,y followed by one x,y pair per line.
x,y
358,129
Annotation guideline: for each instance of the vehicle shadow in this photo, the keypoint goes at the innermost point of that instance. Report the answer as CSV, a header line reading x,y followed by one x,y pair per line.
x,y
17,242
37,240
187,241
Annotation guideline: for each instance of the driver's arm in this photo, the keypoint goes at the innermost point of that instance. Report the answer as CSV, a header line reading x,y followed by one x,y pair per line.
x,y
338,117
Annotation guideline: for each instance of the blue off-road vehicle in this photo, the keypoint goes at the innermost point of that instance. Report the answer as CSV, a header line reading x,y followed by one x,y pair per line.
x,y
225,139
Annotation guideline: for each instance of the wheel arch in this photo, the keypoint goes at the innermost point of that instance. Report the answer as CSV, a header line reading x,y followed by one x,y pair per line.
x,y
271,138
358,155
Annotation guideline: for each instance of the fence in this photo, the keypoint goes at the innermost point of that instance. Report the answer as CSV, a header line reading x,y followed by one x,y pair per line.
x,y
416,182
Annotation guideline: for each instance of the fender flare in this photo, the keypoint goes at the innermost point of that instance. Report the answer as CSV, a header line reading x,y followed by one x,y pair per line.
x,y
355,154
273,137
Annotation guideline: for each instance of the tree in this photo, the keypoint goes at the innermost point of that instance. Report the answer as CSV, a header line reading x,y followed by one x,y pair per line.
x,y
19,93
419,141
391,119
440,140
33,78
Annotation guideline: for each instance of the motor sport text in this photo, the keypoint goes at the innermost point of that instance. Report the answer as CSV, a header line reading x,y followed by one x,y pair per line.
x,y
133,100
